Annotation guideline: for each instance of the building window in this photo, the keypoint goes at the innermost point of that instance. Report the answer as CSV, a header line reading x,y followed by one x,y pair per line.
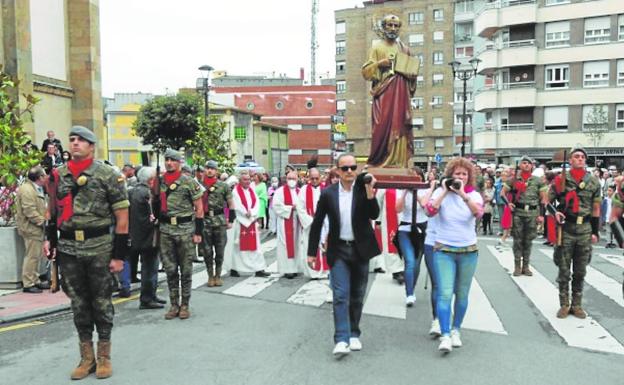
x,y
439,143
341,27
418,103
460,99
438,123
309,104
416,18
557,76
558,34
340,67
420,81
595,117
555,118
416,39
621,27
619,117
240,133
555,2
350,147
438,36
418,123
458,119
419,145
250,106
438,57
463,32
421,58
462,52
438,15
596,74
341,105
341,87
464,6
279,105
597,30
620,72
341,47
437,101
438,79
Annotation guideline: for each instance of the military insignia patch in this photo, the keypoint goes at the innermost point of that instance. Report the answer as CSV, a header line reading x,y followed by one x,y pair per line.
x,y
173,186
82,180
582,185
120,179
211,189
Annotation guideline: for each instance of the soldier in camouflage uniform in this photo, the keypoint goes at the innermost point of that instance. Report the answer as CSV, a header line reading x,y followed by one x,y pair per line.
x,y
216,196
90,196
181,226
529,193
579,214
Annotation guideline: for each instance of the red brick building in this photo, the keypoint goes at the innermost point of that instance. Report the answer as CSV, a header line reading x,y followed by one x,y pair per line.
x,y
305,110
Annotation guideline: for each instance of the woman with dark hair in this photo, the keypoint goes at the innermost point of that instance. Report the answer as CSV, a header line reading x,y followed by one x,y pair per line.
x,y
66,156
457,206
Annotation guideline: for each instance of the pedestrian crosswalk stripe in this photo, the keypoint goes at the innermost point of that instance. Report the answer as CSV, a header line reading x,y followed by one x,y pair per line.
x,y
253,285
312,293
385,298
617,260
583,333
481,314
607,285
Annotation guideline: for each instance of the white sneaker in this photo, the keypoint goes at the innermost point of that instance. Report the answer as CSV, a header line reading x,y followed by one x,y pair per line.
x,y
445,344
330,297
434,331
341,349
355,344
455,338
410,300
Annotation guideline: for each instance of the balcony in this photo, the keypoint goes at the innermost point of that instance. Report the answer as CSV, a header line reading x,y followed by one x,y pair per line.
x,y
508,54
576,96
507,95
497,139
504,13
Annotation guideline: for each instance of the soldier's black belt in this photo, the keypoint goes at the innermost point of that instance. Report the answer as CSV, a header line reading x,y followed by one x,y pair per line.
x,y
82,235
213,213
175,220
576,219
526,207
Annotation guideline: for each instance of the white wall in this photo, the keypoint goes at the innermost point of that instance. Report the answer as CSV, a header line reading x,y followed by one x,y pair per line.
x,y
47,27
52,113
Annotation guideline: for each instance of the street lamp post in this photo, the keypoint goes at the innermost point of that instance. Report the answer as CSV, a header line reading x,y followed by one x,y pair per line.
x,y
203,85
464,76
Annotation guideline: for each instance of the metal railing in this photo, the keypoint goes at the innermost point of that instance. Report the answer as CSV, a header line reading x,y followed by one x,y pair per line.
x,y
507,44
516,127
504,4
505,86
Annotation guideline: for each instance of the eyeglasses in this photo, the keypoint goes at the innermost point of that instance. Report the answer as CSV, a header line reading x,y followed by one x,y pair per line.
x,y
353,167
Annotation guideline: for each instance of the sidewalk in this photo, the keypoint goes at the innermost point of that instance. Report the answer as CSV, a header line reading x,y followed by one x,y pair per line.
x,y
16,305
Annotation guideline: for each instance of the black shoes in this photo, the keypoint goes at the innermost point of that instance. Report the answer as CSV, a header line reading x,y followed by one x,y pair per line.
x,y
135,280
399,277
159,300
287,275
234,273
263,274
32,290
43,285
151,305
379,270
124,293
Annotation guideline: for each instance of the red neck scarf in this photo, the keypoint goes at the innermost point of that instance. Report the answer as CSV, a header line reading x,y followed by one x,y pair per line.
x,y
526,175
578,174
289,224
247,238
76,167
392,219
169,178
208,183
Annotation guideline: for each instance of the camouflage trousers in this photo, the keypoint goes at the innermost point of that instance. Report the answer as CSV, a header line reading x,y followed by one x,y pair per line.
x,y
523,231
176,253
214,237
88,283
574,252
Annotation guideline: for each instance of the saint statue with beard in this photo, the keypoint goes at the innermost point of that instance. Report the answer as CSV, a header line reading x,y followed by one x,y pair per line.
x,y
391,144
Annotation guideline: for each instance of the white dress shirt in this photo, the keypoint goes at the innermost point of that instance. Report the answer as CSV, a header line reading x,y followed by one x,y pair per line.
x,y
345,199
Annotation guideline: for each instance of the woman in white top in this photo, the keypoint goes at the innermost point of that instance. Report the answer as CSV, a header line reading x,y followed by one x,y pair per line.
x,y
432,225
411,238
455,251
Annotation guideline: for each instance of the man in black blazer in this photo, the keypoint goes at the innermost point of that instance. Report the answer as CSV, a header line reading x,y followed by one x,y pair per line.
x,y
350,206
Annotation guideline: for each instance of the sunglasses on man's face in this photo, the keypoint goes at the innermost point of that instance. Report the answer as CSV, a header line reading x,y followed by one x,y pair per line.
x,y
353,167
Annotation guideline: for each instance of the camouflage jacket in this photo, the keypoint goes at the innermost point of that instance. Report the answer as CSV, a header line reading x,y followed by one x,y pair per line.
x,y
180,196
98,191
531,196
588,191
216,196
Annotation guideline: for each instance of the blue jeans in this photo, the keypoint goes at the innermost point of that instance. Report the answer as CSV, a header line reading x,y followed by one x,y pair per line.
x,y
124,276
348,281
453,274
434,285
412,261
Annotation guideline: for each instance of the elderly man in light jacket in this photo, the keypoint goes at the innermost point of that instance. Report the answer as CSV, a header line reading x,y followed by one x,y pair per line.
x,y
31,215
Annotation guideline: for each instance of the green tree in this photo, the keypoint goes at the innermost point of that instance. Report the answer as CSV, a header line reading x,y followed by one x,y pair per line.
x,y
169,121
208,144
596,125
17,154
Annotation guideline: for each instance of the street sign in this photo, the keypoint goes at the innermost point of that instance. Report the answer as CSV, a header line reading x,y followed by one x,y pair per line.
x,y
438,158
341,127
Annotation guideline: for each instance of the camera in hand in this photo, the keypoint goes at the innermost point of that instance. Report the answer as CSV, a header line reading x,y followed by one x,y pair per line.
x,y
451,183
367,178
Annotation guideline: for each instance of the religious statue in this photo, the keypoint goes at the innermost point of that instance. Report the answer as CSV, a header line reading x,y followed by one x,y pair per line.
x,y
393,74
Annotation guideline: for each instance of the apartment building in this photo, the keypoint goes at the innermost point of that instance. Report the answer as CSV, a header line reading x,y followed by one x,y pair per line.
x,y
554,77
427,28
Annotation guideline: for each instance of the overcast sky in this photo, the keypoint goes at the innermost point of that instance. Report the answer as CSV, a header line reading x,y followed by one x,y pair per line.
x,y
157,45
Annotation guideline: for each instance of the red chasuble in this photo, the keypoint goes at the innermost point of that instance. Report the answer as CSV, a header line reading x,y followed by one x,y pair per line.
x,y
247,238
289,230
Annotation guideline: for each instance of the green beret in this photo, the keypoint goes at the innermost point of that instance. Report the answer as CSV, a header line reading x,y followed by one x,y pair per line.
x,y
526,158
578,148
84,133
173,155
212,164
186,168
